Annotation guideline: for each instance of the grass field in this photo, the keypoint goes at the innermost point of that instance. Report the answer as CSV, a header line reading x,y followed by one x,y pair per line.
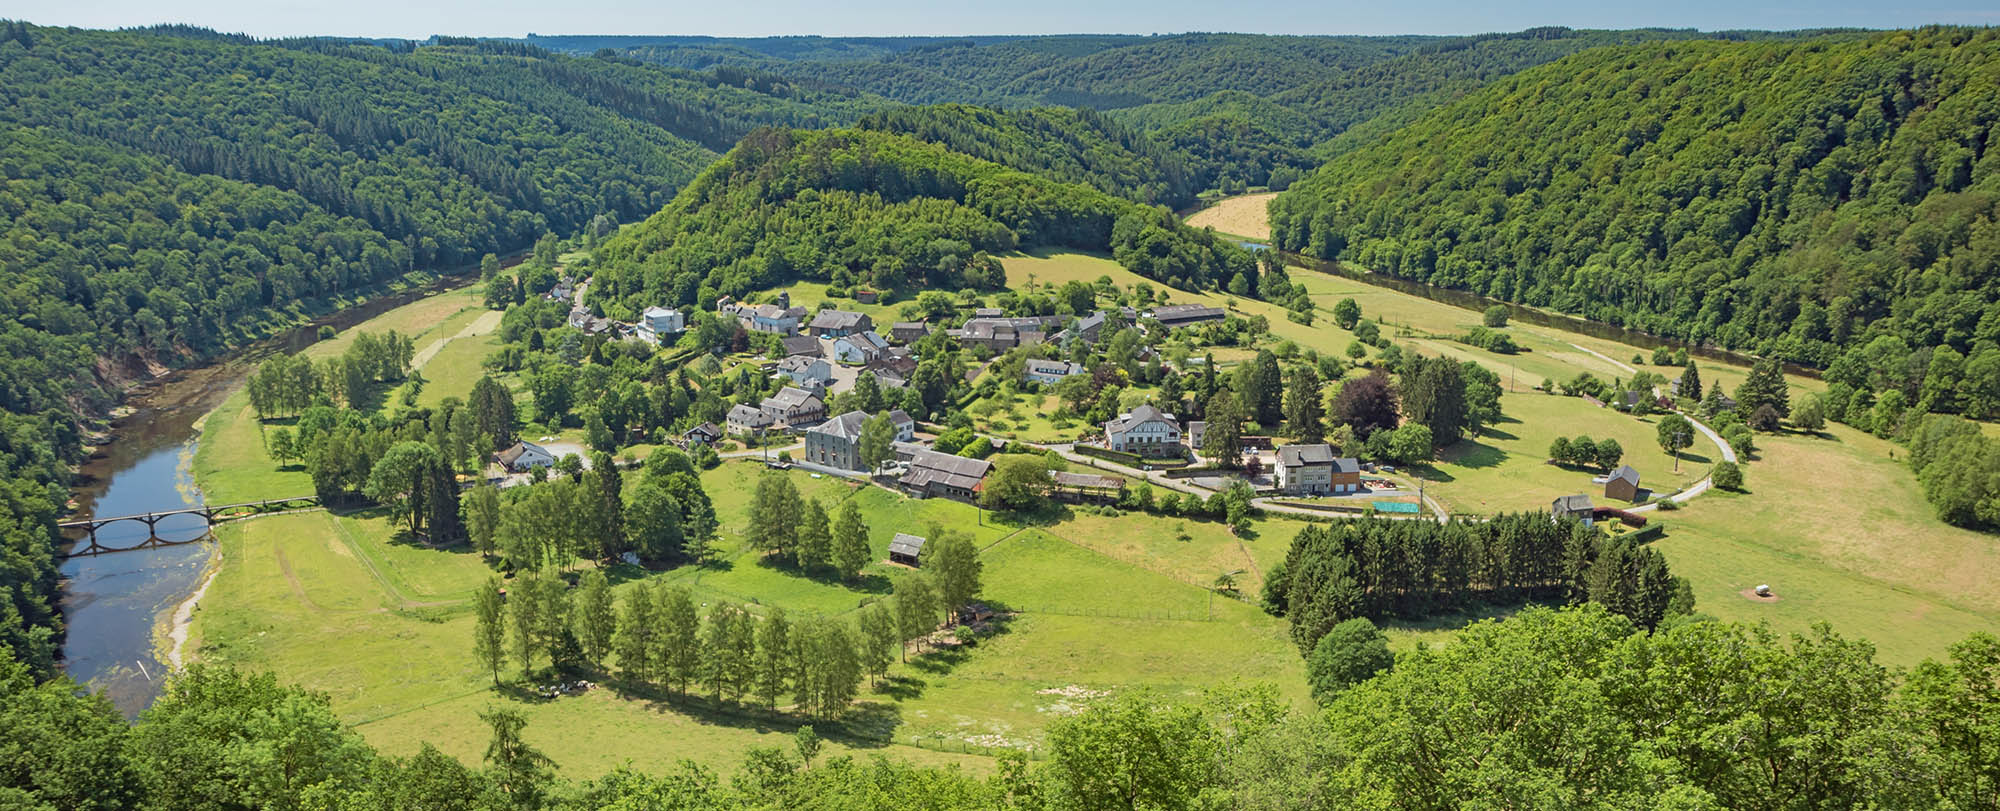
x,y
1244,215
1505,469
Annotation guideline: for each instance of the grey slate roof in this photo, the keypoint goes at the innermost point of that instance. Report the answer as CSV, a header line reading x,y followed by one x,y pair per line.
x,y
906,544
846,426
1565,505
1625,472
836,319
1139,416
952,471
1296,455
805,345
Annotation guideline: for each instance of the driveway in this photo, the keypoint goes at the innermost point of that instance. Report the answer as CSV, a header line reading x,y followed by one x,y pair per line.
x,y
1700,487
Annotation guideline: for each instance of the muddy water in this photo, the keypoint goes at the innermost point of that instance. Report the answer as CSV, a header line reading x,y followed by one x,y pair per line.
x,y
113,602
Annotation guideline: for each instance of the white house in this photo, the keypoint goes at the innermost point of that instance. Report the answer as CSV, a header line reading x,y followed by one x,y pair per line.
x,y
1146,431
859,348
906,427
657,323
744,419
1049,372
805,371
526,455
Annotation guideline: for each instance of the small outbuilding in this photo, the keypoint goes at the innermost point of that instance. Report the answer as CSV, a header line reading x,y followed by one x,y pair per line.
x,y
1622,484
904,549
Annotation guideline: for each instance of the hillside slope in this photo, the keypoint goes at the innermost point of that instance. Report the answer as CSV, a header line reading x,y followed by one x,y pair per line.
x,y
1074,145
1787,198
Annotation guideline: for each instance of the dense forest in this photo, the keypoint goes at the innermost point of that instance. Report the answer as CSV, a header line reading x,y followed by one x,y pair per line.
x,y
863,208
1073,145
1786,198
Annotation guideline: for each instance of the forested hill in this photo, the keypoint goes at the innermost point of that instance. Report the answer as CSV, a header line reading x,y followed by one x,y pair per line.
x,y
167,192
1783,197
1240,106
863,208
1075,145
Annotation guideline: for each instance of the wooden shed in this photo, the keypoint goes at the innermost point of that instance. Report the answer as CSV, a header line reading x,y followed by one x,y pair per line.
x,y
904,549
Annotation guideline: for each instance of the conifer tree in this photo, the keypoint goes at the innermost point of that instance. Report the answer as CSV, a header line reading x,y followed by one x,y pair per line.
x,y
595,618
850,540
1304,413
489,630
774,667
638,634
677,656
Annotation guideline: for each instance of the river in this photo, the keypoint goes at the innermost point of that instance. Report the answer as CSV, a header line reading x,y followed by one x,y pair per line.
x,y
113,603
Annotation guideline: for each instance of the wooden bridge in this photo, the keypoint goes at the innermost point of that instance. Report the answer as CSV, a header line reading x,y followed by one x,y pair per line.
x,y
210,514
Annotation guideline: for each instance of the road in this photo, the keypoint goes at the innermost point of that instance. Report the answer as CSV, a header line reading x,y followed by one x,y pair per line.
x,y
1608,359
1158,478
1700,487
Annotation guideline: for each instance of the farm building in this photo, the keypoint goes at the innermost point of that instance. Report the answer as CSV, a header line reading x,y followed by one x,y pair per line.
x,y
941,474
1622,484
524,456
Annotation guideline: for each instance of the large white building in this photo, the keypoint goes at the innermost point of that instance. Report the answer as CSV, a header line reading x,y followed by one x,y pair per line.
x,y
657,324
1146,431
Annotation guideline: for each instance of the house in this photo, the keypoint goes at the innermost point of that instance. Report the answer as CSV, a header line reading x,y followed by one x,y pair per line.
x,y
905,549
906,426
890,378
656,323
1181,315
894,360
1049,372
906,332
859,348
1577,506
1086,329
836,323
867,296
805,371
1001,334
930,473
794,407
524,456
1313,469
703,434
837,442
744,419
1622,484
800,346
905,451
562,291
988,312
779,318
1146,431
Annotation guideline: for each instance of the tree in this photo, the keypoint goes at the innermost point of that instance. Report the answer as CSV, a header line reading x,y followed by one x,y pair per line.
x,y
595,619
637,637
489,629
1018,482
1346,313
492,407
774,666
481,507
916,610
1260,389
1304,415
1691,383
954,562
522,770
1608,453
1222,441
1765,385
1810,415
677,656
653,521
878,440
1740,439
1494,316
1559,450
1135,750
815,538
524,619
401,478
1764,418
1349,654
1367,404
1727,475
878,638
489,266
1433,392
774,514
1411,444
849,540
1675,434
253,742
807,742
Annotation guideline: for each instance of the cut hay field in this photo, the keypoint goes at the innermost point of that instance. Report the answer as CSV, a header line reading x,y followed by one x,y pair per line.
x,y
1244,215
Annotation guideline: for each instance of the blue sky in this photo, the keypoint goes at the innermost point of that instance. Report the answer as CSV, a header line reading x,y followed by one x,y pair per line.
x,y
399,18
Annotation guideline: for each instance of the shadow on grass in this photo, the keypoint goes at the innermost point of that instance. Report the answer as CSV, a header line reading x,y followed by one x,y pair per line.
x,y
1473,454
865,725
866,582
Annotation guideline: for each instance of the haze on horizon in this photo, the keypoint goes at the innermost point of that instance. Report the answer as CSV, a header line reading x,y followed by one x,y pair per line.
x,y
514,18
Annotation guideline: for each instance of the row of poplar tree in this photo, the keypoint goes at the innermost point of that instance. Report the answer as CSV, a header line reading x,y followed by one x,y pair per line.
x,y
659,637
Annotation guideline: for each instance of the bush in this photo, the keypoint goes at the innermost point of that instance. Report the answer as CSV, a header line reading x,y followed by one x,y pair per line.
x,y
1349,654
1728,476
1495,316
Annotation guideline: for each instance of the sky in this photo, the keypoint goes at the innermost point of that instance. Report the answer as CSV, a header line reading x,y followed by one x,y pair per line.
x,y
513,18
